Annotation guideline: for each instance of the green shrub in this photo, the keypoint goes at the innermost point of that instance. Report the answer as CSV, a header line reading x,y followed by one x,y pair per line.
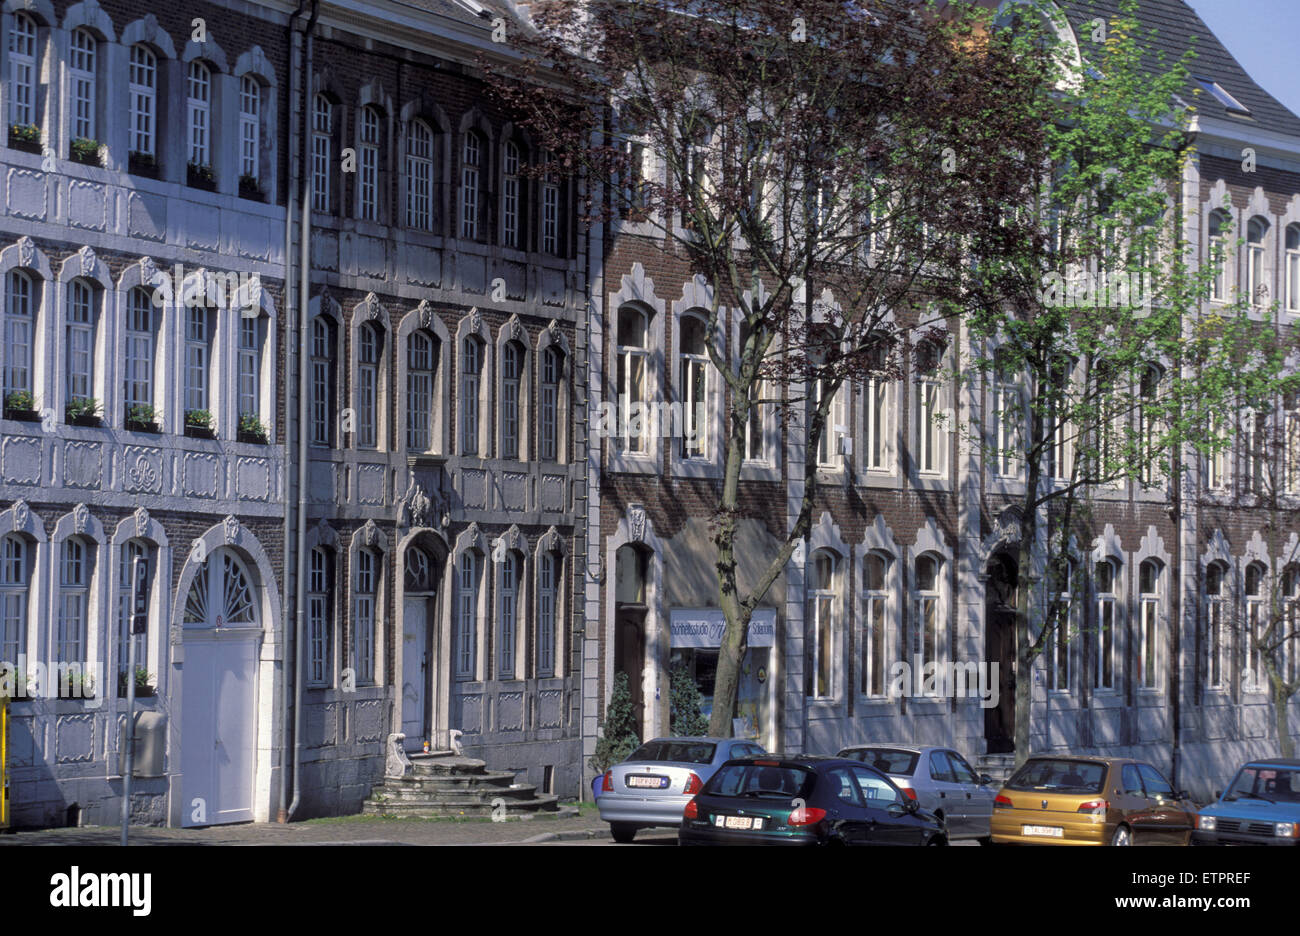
x,y
684,704
619,736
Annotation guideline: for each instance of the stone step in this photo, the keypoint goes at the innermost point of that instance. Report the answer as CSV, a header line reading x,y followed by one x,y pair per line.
x,y
452,781
445,764
450,808
480,795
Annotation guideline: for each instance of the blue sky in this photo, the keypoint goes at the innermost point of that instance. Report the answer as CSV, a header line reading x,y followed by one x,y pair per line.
x,y
1264,36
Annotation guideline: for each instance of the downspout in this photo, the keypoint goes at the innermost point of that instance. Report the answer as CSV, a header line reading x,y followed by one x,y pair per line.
x,y
304,293
291,317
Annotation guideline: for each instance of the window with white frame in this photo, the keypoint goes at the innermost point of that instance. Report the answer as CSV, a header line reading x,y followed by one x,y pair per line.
x,y
511,190
83,54
1289,627
875,623
835,428
928,405
1292,273
322,364
1106,581
19,332
141,345
368,165
512,364
79,340
1291,443
1219,255
550,197
1150,425
250,127
819,630
693,388
22,72
252,331
368,345
322,151
15,591
1256,281
142,93
421,362
631,378
465,650
75,569
755,447
471,157
508,616
1060,449
419,176
1255,430
198,105
1007,415
1148,649
876,409
548,579
1059,669
131,551
1216,460
1253,679
548,416
928,623
364,603
635,174
198,347
471,375
320,585
1217,640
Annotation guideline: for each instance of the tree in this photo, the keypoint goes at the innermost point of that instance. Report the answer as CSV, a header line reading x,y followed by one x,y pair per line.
x,y
684,703
619,736
822,170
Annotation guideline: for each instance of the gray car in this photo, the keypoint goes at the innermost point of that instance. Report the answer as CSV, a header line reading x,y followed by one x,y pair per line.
x,y
941,780
653,786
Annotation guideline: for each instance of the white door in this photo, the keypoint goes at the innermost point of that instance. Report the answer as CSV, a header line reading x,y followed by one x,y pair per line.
x,y
415,670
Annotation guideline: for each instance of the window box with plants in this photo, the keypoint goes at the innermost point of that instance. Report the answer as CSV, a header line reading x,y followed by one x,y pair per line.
x,y
87,152
82,411
142,164
142,417
21,405
251,188
144,688
75,684
25,137
198,424
252,429
200,177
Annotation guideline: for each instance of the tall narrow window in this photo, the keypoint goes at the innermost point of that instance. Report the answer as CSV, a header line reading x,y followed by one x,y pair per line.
x,y
82,55
322,151
835,426
198,340
131,551
633,325
250,366
250,127
469,186
1255,430
1216,461
198,85
1293,268
550,209
510,190
471,367
875,623
322,382
1217,642
819,629
367,386
1149,624
1105,582
22,72
19,332
876,409
319,604
511,366
15,575
1008,417
1218,257
548,415
508,616
1256,230
1060,450
137,390
1253,679
368,165
80,341
466,616
694,387
419,176
547,594
1150,444
1058,659
420,363
1289,628
74,599
928,622
926,386
143,99
1291,443
363,620
755,450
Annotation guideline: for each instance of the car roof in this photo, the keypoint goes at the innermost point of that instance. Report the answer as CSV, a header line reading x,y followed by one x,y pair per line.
x,y
1273,762
688,740
891,746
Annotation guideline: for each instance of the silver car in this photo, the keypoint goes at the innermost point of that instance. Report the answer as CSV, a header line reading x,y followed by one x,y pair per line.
x,y
653,786
940,780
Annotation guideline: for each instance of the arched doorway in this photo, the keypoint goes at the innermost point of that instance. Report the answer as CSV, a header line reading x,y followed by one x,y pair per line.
x,y
1000,648
223,641
420,582
630,567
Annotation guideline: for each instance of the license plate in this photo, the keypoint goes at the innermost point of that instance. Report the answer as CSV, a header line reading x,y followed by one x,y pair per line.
x,y
737,822
648,783
1045,831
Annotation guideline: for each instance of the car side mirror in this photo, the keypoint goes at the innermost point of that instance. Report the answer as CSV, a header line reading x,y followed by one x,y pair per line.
x,y
1218,794
911,805
896,810
985,779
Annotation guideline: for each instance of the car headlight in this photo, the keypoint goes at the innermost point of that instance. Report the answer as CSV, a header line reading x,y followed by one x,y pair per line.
x,y
1205,823
1285,830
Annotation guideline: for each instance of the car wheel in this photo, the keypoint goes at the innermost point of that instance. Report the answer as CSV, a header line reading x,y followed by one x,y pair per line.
x,y
622,832
1122,836
985,840
937,840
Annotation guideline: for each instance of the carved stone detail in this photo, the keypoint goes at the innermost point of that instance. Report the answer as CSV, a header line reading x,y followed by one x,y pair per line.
x,y
230,528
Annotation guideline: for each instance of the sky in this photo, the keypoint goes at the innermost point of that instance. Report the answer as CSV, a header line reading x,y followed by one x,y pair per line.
x,y
1264,36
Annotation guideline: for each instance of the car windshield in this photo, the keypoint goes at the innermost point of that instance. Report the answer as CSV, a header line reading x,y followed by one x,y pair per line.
x,y
1060,776
683,752
760,781
886,760
1274,784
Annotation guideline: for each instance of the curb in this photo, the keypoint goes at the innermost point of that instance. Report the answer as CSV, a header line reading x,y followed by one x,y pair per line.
x,y
566,836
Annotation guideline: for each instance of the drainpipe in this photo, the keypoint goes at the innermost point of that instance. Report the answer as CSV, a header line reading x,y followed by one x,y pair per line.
x,y
304,291
291,317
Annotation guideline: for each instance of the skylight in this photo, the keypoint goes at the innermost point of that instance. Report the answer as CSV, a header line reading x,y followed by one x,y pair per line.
x,y
1217,91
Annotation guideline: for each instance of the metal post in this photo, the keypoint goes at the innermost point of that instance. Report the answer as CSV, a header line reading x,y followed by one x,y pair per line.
x,y
137,625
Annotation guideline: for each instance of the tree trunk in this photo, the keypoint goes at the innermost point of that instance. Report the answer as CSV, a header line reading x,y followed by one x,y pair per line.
x,y
1280,700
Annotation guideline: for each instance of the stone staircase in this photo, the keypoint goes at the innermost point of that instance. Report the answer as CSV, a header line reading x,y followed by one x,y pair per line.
x,y
443,784
997,766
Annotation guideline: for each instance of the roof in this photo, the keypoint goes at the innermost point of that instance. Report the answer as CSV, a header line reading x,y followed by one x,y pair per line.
x,y
1176,24
463,10
1274,762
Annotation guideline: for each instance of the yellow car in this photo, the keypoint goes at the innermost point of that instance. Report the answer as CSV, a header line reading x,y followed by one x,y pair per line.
x,y
1068,800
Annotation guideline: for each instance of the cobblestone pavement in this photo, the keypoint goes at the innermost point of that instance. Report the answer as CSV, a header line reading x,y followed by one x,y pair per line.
x,y
348,830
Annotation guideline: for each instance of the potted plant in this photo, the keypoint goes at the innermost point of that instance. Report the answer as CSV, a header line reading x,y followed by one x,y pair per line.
x,y
250,188
143,687
82,411
618,736
200,176
21,405
142,417
76,684
251,429
142,164
87,152
198,424
25,137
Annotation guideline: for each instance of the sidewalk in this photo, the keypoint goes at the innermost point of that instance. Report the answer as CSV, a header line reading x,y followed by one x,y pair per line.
x,y
346,830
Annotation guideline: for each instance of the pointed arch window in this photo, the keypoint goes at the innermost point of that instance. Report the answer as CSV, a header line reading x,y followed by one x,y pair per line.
x,y
1253,679
548,585
76,567
508,615
512,365
322,381
421,364
471,158
1149,594
511,191
419,176
633,359
929,619
320,606
1256,274
19,332
1218,258
1217,641
471,373
819,632
368,165
548,417
141,347
1105,585
465,650
694,387
368,348
364,604
322,151
80,331
875,623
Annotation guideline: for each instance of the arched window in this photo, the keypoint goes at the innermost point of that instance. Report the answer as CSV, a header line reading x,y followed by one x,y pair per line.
x,y
80,332
22,72
1149,595
1217,641
929,619
548,417
470,163
548,591
76,566
1289,664
508,615
198,105
320,615
511,194
1293,268
15,593
633,361
926,387
1256,231
198,362
143,92
836,426
1216,460
1105,586
694,387
19,335
131,551
875,623
1253,678
512,364
323,381
1150,425
471,373
322,151
1007,414
222,594
365,601
1058,656
368,344
250,132
419,176
464,652
368,164
1060,452
819,630
1218,258
141,349
421,363
550,199
876,407
252,339
83,54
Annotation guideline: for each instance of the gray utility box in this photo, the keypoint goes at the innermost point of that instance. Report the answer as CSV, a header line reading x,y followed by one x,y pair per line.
x,y
150,745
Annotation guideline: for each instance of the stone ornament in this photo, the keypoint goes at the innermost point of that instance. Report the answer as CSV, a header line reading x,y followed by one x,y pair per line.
x,y
141,521
636,522
26,251
88,260
80,518
230,527
22,513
